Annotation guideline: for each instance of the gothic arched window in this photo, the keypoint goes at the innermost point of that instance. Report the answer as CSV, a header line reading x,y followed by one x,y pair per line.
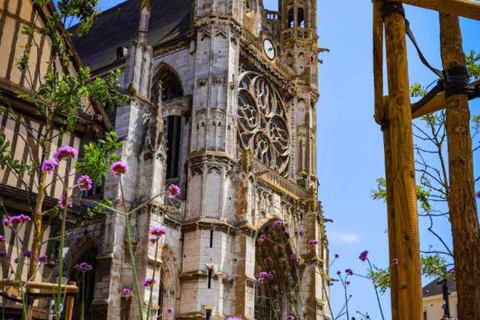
x,y
301,18
167,86
291,20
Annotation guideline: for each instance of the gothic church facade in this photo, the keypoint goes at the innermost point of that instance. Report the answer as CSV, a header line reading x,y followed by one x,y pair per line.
x,y
223,96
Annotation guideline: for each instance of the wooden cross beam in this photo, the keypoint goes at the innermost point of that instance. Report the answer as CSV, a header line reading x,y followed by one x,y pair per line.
x,y
464,8
436,104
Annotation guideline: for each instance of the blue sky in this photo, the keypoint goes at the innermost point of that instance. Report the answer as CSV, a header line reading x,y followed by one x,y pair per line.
x,y
350,145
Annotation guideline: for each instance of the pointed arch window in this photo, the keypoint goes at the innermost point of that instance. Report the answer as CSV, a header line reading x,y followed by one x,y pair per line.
x,y
301,18
291,20
167,86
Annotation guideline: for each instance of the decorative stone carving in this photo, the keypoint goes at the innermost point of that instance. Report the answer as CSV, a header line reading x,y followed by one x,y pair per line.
x,y
262,122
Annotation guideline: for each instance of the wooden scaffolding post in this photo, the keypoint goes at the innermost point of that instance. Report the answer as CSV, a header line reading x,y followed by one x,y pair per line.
x,y
402,180
461,197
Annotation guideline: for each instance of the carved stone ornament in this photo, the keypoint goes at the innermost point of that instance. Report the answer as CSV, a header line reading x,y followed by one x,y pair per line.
x,y
262,122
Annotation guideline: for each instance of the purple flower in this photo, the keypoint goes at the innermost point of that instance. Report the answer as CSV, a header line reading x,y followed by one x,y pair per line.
x,y
262,275
290,317
127,292
301,233
84,183
394,261
173,191
62,202
3,254
312,242
363,256
2,238
49,164
148,282
25,218
83,267
15,260
349,272
347,283
234,318
156,233
170,310
16,220
336,255
118,168
293,256
65,153
43,259
27,254
339,272
270,276
277,223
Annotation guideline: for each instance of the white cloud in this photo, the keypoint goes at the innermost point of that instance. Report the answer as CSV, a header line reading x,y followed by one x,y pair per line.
x,y
344,237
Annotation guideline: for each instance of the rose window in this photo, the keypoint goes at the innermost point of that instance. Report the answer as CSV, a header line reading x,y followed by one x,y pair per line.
x,y
262,122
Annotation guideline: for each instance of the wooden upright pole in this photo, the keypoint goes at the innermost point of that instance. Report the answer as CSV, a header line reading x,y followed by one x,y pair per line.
x,y
461,196
408,304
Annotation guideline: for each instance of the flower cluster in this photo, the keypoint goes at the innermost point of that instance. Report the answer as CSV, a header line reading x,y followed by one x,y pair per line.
x,y
156,233
118,168
149,282
49,165
2,239
170,310
27,254
173,191
43,259
127,292
83,267
290,317
65,202
312,242
265,275
363,256
65,153
349,272
84,183
277,224
234,318
15,220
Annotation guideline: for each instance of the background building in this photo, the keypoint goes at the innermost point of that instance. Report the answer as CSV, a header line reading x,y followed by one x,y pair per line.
x,y
433,300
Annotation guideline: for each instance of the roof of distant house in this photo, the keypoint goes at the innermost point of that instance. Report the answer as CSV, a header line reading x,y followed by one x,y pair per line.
x,y
118,26
435,288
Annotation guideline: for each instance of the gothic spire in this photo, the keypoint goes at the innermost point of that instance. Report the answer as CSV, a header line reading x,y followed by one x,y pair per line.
x,y
145,9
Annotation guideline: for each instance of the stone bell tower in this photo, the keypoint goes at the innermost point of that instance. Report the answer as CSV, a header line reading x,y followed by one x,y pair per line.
x,y
299,44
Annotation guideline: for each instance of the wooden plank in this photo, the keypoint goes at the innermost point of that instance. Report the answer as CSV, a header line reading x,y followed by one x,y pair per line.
x,y
436,104
462,203
402,193
464,8
392,245
378,59
45,286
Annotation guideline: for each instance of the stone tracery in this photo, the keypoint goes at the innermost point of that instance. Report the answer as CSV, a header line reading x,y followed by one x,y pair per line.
x,y
263,128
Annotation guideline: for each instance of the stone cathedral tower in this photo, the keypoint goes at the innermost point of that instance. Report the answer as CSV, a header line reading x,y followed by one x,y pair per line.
x,y
223,97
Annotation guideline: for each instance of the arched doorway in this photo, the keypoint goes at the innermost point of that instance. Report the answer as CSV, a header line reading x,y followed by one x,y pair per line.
x,y
87,252
169,286
278,274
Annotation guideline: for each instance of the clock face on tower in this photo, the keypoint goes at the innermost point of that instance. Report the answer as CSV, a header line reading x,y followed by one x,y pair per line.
x,y
269,48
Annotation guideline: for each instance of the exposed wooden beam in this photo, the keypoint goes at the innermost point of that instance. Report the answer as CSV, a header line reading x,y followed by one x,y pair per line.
x,y
378,59
464,8
401,174
436,104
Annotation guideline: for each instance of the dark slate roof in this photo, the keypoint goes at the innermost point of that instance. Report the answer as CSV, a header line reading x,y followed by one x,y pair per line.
x,y
117,26
435,288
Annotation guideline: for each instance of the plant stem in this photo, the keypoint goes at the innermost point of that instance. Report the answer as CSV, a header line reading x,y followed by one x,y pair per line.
x,y
130,252
376,291
83,297
58,299
153,278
